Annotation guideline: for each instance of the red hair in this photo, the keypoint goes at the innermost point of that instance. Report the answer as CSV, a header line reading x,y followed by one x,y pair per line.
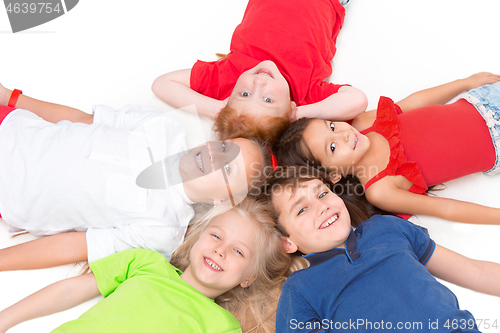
x,y
229,125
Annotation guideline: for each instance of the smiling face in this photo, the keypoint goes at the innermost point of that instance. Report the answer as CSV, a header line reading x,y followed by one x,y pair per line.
x,y
315,219
262,90
224,256
216,171
336,145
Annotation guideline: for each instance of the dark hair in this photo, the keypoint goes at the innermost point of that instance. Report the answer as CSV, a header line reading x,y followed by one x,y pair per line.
x,y
349,189
292,149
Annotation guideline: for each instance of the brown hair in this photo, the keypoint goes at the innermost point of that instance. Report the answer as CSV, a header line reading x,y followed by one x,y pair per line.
x,y
229,125
255,305
292,149
348,189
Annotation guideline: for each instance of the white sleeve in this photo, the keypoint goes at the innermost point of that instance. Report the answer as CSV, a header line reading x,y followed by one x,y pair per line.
x,y
161,238
128,118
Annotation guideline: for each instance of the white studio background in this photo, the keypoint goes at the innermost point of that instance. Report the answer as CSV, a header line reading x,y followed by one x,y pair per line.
x,y
109,52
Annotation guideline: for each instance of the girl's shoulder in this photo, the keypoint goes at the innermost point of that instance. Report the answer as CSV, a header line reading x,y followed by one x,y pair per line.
x,y
365,120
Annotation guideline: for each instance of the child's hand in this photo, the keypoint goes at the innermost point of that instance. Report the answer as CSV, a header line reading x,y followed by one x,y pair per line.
x,y
480,79
221,105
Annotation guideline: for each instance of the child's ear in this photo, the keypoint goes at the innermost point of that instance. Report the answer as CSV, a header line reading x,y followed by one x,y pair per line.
x,y
293,111
335,178
247,282
289,246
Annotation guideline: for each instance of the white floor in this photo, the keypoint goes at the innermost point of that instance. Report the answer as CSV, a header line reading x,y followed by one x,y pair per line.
x,y
109,52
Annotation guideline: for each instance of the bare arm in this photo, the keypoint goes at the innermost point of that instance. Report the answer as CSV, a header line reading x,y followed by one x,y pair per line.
x,y
55,298
386,195
174,89
445,92
50,112
482,276
432,96
346,104
50,251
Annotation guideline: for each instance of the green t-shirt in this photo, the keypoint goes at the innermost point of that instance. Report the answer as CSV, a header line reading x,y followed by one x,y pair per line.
x,y
144,293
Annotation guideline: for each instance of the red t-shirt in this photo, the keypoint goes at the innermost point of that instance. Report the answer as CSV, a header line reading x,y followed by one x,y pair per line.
x,y
297,35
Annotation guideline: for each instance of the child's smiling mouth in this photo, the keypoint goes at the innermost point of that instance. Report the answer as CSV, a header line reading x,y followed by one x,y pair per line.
x,y
329,221
212,264
199,162
265,72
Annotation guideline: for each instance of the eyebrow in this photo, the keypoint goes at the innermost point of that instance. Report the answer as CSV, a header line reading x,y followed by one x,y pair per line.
x,y
296,203
246,247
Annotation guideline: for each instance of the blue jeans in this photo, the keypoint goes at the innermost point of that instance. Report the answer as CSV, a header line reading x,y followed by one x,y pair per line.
x,y
486,99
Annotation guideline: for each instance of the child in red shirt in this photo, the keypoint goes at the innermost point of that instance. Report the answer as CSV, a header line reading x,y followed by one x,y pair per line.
x,y
280,54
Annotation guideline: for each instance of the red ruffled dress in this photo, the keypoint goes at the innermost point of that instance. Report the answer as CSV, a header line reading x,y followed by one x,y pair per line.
x,y
433,144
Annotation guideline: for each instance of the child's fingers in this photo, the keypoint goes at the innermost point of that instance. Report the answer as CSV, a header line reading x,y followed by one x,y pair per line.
x,y
483,78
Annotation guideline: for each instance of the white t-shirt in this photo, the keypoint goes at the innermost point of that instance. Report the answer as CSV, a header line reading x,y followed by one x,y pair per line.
x,y
75,177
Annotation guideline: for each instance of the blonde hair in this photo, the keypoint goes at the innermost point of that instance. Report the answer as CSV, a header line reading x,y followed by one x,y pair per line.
x,y
229,125
255,305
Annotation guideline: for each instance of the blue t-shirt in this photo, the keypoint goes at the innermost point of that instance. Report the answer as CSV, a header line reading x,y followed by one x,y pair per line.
x,y
378,283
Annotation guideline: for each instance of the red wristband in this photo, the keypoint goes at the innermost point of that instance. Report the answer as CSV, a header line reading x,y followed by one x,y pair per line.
x,y
14,97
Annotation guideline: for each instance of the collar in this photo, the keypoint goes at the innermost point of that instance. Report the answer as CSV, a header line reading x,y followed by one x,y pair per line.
x,y
350,251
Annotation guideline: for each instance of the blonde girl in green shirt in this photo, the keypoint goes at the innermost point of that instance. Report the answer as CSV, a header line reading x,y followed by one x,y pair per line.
x,y
234,257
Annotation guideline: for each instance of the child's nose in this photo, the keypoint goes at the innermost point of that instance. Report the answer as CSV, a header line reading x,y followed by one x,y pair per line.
x,y
220,252
342,135
217,159
260,81
323,208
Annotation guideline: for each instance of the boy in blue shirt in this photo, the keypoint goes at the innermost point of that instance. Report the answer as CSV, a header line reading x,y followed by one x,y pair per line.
x,y
375,278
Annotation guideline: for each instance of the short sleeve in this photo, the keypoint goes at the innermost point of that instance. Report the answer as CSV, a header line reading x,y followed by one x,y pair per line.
x,y
113,270
294,313
205,78
161,238
321,90
215,79
419,238
128,118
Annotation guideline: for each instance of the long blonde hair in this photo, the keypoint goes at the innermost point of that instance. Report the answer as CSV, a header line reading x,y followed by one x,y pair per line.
x,y
255,305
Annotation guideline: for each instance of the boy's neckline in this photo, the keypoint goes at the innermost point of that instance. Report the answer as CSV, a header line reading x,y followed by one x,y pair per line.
x,y
350,251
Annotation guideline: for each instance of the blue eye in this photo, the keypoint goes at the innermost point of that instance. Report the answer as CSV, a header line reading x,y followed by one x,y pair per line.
x,y
332,126
268,100
216,236
301,211
322,195
239,252
245,94
332,147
